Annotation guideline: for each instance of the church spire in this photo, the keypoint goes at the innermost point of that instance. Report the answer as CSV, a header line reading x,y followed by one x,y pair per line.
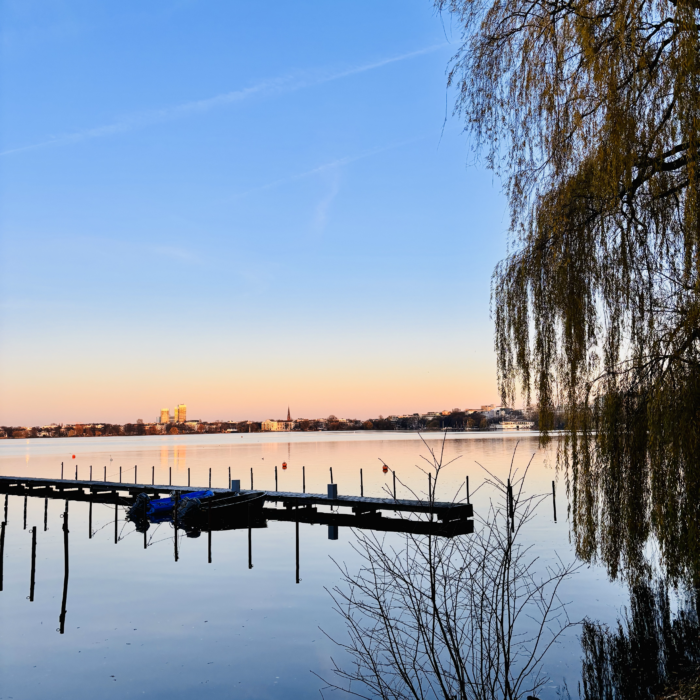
x,y
289,415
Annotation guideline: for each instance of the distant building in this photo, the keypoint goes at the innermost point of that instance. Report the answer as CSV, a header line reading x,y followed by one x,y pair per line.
x,y
277,425
513,425
164,416
181,413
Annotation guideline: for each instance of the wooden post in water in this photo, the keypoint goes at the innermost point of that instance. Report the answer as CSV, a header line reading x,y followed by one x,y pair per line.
x,y
251,478
153,475
120,475
90,518
135,471
62,617
61,470
170,476
105,473
229,477
394,473
467,489
297,560
188,476
554,502
276,489
91,472
362,487
209,477
76,472
430,487
46,513
250,546
2,549
331,475
33,574
209,527
303,479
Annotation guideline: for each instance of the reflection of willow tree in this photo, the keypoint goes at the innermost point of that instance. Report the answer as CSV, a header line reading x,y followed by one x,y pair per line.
x,y
460,618
649,649
591,110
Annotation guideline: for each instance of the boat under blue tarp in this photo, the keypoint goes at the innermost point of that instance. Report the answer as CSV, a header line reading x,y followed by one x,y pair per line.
x,y
164,505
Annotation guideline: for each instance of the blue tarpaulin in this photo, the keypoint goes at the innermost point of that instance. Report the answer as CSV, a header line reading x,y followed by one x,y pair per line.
x,y
161,505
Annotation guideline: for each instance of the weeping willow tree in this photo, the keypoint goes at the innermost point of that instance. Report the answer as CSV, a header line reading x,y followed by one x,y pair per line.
x,y
590,112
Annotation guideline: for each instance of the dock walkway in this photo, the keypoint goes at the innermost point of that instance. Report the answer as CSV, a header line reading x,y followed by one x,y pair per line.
x,y
110,490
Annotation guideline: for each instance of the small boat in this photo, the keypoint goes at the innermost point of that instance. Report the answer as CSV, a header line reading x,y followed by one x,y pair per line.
x,y
206,510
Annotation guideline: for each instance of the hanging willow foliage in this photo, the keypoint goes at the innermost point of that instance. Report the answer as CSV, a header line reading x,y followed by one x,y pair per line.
x,y
590,111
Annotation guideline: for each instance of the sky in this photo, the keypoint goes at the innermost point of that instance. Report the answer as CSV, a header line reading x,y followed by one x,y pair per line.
x,y
240,207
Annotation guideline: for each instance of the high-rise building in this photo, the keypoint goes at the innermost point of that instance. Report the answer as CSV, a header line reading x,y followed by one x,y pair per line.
x,y
181,413
164,415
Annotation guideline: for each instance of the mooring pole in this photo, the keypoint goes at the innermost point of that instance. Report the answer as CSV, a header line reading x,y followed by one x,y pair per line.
x,y
170,476
33,574
467,489
62,617
188,476
251,478
554,502
76,472
303,479
276,489
91,472
153,476
61,470
209,477
135,471
362,487
430,487
331,475
105,473
394,473
297,526
229,477
120,475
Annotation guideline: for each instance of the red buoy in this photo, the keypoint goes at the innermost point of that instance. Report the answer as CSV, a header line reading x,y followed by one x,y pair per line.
x,y
385,469
73,456
284,465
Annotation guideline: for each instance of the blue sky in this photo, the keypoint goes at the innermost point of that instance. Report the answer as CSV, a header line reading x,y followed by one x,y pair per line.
x,y
239,206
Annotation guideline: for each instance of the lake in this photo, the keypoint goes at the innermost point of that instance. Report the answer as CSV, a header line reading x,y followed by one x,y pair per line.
x,y
140,624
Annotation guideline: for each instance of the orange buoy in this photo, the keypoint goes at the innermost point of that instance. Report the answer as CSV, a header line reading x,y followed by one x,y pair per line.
x,y
284,465
385,469
73,456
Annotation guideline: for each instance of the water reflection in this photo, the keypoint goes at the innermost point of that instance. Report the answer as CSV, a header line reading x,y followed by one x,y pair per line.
x,y
650,647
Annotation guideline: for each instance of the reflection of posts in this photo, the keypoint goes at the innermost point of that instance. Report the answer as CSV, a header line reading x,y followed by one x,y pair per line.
x,y
46,514
297,533
62,618
2,550
33,574
250,546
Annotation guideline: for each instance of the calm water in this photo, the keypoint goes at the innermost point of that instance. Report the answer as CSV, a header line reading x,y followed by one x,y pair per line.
x,y
139,624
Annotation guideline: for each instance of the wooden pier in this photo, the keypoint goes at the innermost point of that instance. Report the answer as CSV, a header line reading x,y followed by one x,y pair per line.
x,y
365,512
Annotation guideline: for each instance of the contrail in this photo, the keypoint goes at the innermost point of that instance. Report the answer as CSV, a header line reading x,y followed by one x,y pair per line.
x,y
267,87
